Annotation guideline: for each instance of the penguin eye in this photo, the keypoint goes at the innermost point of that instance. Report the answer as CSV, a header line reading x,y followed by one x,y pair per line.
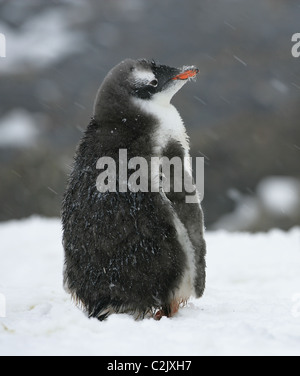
x,y
154,83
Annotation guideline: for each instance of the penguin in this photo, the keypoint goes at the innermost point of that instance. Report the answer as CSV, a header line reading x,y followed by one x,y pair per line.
x,y
130,251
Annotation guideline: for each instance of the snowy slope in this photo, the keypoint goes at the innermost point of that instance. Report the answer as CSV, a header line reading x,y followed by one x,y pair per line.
x,y
251,305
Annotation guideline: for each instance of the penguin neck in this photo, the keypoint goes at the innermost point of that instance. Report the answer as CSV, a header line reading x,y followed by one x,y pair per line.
x,y
169,125
108,104
160,106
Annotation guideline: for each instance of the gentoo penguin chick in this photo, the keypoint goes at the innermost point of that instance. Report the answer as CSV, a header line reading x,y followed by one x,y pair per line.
x,y
133,251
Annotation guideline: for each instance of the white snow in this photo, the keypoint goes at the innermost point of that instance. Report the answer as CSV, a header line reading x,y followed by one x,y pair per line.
x,y
40,42
18,129
280,195
276,197
251,305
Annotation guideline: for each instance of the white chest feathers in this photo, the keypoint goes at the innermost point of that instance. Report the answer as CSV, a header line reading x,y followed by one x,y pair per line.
x,y
170,126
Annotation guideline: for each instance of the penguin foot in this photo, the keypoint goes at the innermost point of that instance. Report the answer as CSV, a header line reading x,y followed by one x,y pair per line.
x,y
158,315
169,310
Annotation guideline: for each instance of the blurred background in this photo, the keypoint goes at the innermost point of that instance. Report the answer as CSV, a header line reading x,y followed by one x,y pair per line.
x,y
243,113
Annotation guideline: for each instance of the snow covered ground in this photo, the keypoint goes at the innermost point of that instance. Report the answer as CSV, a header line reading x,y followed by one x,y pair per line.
x,y
251,305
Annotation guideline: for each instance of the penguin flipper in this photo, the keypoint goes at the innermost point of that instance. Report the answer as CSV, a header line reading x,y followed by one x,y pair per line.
x,y
191,216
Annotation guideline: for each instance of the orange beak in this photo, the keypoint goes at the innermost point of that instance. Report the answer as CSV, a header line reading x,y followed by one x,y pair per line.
x,y
187,74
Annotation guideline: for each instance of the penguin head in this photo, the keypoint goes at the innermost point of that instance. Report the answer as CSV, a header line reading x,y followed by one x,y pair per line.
x,y
142,79
151,81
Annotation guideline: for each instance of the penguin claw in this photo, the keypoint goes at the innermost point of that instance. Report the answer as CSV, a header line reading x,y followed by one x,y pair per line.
x,y
159,314
169,311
